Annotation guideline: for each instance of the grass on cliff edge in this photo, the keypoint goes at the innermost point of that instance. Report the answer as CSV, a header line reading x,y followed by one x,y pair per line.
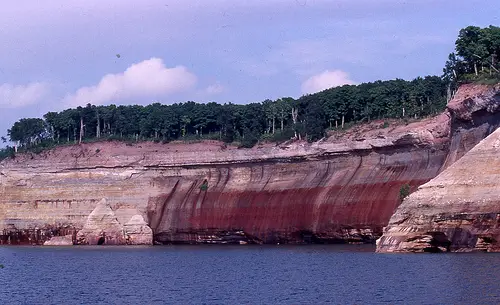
x,y
481,79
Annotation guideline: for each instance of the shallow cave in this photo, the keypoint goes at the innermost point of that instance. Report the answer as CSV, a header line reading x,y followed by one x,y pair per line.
x,y
432,250
101,241
439,243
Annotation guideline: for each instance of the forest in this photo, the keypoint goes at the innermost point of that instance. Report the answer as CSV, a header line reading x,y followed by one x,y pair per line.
x,y
476,58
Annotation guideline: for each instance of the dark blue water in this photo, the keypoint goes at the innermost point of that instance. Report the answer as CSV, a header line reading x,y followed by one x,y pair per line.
x,y
244,275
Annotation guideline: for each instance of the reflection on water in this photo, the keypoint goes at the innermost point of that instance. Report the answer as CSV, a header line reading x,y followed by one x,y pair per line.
x,y
244,274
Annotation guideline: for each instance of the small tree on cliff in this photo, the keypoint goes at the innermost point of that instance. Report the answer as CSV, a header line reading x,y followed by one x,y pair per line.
x,y
404,191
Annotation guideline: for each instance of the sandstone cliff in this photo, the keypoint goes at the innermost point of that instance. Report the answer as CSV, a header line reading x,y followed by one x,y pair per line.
x,y
459,210
342,189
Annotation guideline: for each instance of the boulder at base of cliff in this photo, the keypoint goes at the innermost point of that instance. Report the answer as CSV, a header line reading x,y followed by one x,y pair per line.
x,y
101,228
60,241
137,231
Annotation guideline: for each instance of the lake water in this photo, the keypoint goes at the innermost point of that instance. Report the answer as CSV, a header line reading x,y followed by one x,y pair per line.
x,y
244,275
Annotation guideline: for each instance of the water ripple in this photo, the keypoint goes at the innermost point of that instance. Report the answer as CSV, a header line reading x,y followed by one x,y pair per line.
x,y
244,275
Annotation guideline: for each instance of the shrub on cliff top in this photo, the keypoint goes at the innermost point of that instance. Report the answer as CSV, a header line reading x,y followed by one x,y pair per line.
x,y
7,152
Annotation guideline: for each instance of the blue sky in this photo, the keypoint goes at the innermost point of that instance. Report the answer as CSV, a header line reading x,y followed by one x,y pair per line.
x,y
56,54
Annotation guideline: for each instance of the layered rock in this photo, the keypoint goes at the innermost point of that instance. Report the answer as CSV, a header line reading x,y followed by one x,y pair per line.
x,y
341,189
188,193
138,232
459,210
102,227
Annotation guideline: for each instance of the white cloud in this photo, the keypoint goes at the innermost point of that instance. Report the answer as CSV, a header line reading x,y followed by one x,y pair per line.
x,y
149,78
16,96
215,89
325,80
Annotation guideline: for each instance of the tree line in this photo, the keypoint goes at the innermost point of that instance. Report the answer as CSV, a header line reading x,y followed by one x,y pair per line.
x,y
306,117
477,52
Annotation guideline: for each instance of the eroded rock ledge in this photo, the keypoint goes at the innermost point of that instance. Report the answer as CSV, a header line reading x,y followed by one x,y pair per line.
x,y
103,228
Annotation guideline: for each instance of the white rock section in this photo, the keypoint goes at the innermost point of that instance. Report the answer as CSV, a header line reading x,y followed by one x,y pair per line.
x,y
137,231
60,241
102,227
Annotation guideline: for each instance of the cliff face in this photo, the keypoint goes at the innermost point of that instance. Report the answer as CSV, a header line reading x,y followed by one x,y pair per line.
x,y
459,210
343,189
207,193
324,192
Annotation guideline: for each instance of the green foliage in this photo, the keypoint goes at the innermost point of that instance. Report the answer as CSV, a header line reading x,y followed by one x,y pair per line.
x,y
204,186
315,122
404,191
7,152
489,80
250,138
279,136
28,131
278,120
481,78
477,51
111,138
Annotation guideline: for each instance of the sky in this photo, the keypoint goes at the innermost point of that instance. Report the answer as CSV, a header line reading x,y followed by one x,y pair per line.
x,y
57,54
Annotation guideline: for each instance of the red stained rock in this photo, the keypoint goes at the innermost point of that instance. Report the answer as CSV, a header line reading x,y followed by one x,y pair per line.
x,y
324,197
